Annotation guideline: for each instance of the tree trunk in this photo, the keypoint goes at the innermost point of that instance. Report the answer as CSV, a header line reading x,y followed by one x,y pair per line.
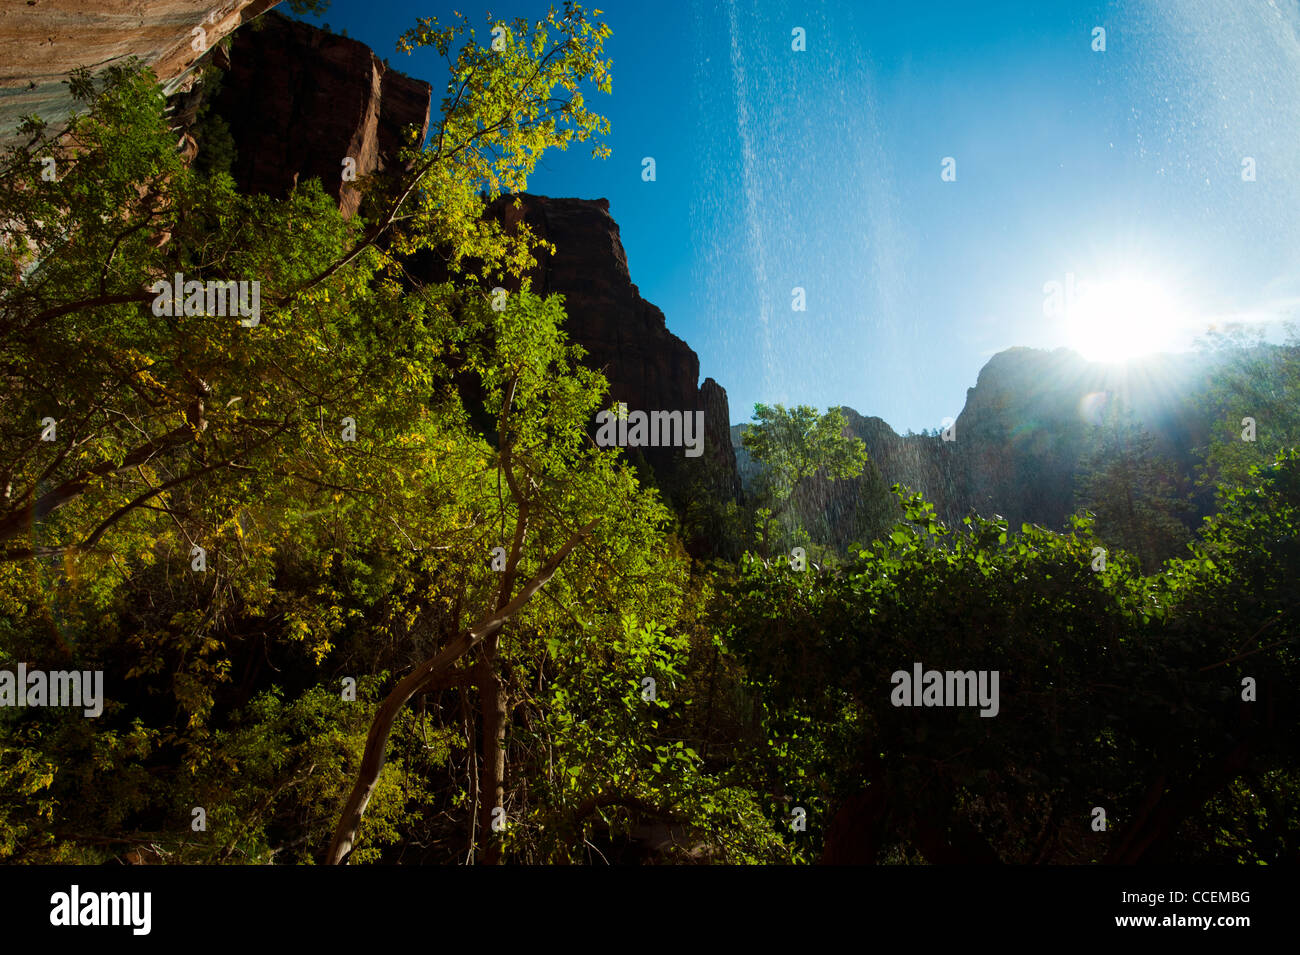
x,y
426,675
492,698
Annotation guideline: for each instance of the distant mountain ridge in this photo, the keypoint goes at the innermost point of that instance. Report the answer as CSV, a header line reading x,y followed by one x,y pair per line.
x,y
1018,442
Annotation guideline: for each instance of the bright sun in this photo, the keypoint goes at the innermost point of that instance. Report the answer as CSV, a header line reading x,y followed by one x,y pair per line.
x,y
1122,319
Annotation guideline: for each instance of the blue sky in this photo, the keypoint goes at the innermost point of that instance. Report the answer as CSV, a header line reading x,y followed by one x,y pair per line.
x,y
821,169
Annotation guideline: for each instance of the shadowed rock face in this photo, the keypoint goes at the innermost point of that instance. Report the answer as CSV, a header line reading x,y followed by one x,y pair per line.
x,y
299,101
626,337
42,42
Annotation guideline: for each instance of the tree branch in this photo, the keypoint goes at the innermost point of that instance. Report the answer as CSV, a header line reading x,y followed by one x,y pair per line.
x,y
372,760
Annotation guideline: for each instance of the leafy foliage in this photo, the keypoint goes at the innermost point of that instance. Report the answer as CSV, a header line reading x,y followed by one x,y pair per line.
x,y
1116,690
634,705
794,446
1133,491
327,559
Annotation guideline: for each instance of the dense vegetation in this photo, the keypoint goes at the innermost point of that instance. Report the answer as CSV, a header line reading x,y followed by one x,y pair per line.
x,y
363,588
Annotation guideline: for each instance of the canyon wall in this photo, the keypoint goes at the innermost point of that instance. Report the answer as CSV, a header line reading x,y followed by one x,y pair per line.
x,y
43,41
626,337
1021,443
299,101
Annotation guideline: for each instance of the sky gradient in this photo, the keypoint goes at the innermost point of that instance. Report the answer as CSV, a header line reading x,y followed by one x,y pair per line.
x,y
821,170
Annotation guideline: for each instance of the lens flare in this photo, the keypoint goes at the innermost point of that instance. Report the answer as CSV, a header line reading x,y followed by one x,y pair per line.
x,y
1123,319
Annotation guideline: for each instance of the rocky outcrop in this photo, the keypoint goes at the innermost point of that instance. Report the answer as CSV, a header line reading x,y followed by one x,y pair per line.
x,y
1026,425
299,101
43,41
626,337
1019,445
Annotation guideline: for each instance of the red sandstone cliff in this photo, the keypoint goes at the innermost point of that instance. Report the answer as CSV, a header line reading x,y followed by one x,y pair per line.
x,y
299,100
626,337
43,41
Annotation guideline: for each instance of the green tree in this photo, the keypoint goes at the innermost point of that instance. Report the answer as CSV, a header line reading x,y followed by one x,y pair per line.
x,y
1116,690
1139,500
384,478
1252,397
794,446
